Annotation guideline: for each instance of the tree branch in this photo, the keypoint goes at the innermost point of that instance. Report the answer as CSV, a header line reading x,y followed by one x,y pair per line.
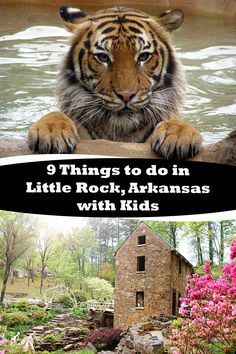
x,y
224,151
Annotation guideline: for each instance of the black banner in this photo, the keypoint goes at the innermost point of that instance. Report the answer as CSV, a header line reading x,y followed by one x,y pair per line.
x,y
117,187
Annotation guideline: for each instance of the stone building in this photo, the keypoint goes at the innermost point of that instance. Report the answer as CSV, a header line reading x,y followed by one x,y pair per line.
x,y
150,277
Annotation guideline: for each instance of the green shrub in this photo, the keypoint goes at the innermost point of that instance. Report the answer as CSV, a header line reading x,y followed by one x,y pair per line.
x,y
176,323
16,318
85,351
81,295
38,315
50,338
55,311
22,306
59,351
78,312
99,289
65,301
84,330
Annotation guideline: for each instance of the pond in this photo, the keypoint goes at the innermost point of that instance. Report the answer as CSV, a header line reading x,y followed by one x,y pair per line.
x,y
33,43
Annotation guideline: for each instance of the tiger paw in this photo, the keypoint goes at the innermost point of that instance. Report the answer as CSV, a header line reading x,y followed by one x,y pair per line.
x,y
53,133
175,139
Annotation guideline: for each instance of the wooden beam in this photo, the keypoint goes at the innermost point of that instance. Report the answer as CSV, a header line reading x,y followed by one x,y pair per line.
x,y
224,151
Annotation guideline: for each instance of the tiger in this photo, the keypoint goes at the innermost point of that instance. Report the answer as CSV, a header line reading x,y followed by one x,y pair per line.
x,y
121,81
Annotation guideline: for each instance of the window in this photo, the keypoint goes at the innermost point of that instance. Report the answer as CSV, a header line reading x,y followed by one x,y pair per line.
x,y
142,240
140,299
141,264
180,266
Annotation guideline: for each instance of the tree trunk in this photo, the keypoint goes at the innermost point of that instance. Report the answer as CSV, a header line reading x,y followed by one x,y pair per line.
x,y
222,242
12,277
224,151
4,283
41,280
173,229
199,251
210,242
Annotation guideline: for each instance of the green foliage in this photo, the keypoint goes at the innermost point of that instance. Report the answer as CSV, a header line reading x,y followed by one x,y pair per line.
x,y
215,271
78,312
54,311
85,351
50,338
22,306
39,315
17,321
81,295
176,323
99,289
59,351
16,318
65,301
84,330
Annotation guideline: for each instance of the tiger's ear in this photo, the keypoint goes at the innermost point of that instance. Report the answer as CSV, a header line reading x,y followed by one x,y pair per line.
x,y
171,20
71,16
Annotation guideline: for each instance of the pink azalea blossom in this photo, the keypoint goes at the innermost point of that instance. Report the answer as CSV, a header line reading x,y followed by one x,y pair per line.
x,y
208,311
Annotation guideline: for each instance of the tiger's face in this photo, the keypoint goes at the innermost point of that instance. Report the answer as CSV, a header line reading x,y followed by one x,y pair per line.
x,y
121,65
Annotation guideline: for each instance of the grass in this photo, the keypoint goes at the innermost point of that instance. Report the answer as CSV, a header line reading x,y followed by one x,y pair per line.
x,y
21,286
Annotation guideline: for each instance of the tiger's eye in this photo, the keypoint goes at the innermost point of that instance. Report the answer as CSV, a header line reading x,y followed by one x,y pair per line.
x,y
102,58
143,57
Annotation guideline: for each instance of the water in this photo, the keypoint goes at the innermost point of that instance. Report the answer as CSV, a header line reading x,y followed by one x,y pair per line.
x,y
33,43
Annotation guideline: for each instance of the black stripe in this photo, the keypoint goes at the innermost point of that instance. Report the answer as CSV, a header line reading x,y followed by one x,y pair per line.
x,y
155,65
156,77
81,55
90,68
134,29
96,18
103,24
87,44
70,69
98,46
147,134
102,17
120,21
110,37
147,46
171,66
108,30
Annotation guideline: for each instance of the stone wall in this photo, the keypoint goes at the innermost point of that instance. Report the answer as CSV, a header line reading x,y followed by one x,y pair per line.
x,y
154,281
160,282
179,271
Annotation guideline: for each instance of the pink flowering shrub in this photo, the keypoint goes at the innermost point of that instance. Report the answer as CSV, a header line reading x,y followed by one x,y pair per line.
x,y
208,323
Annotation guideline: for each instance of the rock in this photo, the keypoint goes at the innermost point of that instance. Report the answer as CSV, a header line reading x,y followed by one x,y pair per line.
x,y
140,342
91,347
72,331
68,347
146,326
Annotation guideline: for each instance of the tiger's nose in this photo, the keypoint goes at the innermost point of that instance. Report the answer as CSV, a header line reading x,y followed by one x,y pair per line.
x,y
125,95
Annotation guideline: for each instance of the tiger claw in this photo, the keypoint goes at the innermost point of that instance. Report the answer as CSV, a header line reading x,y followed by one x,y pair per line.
x,y
54,133
175,139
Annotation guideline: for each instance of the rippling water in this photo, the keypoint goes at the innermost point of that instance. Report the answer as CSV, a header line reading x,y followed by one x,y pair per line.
x,y
30,52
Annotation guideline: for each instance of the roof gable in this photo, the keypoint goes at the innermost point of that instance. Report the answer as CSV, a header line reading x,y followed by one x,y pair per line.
x,y
141,225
